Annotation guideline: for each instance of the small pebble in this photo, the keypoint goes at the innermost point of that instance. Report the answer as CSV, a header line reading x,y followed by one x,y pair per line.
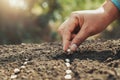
x,y
67,64
68,71
13,76
22,67
16,70
68,76
67,60
25,63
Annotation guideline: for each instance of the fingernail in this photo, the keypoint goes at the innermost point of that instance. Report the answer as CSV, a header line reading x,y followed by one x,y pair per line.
x,y
73,47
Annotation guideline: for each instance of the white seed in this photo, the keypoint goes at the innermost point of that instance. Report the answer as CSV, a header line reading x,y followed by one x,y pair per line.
x,y
68,71
67,64
26,59
22,67
16,70
68,76
23,44
25,63
68,50
13,76
67,60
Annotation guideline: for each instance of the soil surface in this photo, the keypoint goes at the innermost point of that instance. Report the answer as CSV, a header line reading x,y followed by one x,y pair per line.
x,y
94,60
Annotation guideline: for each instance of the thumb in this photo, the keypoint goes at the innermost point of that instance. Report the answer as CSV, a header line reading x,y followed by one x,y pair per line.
x,y
78,39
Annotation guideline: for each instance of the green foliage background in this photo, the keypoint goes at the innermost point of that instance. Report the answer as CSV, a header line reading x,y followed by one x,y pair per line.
x,y
40,20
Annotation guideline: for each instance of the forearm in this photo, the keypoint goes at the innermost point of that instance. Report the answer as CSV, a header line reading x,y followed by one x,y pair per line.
x,y
111,11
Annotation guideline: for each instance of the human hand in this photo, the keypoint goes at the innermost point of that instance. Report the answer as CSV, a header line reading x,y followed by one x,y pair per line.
x,y
82,24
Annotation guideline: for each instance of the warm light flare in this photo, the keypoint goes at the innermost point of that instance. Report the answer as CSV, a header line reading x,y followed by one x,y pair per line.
x,y
18,4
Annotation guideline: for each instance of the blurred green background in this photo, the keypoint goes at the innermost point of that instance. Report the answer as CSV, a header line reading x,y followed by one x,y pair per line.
x,y
36,21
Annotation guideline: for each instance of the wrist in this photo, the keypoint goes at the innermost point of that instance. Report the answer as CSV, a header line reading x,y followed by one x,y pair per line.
x,y
116,3
111,11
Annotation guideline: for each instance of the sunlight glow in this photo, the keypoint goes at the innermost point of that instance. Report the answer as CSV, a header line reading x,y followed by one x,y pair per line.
x,y
18,4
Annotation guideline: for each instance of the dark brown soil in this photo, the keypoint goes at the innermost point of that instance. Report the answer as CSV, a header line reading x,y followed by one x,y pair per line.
x,y
94,60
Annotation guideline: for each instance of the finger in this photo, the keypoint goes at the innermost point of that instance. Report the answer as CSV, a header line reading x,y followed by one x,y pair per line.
x,y
63,26
78,39
72,36
68,26
67,37
66,40
61,29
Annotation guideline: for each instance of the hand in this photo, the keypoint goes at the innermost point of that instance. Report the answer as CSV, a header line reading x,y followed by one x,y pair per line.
x,y
82,24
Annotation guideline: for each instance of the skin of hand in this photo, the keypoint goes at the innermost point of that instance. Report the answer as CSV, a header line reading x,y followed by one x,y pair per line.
x,y
82,24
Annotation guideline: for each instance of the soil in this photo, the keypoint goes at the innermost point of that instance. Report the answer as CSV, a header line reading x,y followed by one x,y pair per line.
x,y
94,60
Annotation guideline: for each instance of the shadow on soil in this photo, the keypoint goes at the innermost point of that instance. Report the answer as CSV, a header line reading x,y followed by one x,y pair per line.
x,y
93,55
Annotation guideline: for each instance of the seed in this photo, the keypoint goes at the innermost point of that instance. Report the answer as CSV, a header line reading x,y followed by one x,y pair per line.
x,y
22,67
68,71
25,63
67,60
67,64
68,50
26,59
68,76
13,76
16,70
23,44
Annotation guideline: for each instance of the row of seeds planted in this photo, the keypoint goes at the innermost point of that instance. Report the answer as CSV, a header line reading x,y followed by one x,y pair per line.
x,y
17,70
68,65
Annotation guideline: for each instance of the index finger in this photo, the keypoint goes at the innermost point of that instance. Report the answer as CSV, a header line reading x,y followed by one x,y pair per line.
x,y
66,39
69,26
